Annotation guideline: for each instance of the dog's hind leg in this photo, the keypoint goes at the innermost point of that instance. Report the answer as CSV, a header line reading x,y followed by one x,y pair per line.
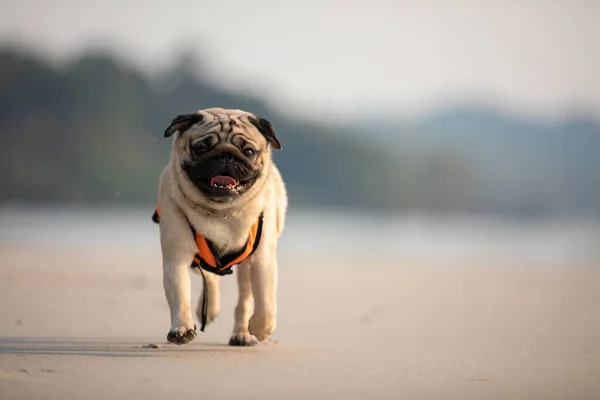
x,y
243,310
264,285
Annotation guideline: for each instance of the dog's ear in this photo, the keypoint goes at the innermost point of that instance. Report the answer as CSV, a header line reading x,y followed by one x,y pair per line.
x,y
266,128
182,123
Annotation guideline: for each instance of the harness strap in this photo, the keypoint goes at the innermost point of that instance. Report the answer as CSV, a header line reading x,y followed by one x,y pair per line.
x,y
204,301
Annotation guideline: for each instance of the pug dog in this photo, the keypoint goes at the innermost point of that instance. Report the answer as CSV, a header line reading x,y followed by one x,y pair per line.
x,y
221,202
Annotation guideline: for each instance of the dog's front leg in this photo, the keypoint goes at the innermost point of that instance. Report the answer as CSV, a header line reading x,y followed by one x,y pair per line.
x,y
176,282
263,274
178,249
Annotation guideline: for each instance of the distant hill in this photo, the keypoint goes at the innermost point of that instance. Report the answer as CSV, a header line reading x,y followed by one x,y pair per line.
x,y
507,164
91,132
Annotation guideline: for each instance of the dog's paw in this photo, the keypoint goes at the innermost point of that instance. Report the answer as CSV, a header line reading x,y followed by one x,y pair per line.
x,y
262,325
243,339
181,335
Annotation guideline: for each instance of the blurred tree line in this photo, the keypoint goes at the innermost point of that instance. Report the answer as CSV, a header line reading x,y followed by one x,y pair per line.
x,y
91,132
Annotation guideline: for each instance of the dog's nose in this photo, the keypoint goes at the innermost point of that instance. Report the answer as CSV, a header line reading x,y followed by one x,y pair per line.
x,y
226,158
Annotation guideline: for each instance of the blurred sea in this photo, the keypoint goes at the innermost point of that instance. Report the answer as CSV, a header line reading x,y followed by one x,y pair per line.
x,y
329,233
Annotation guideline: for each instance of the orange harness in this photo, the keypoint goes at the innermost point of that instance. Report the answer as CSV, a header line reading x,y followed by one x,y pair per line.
x,y
207,259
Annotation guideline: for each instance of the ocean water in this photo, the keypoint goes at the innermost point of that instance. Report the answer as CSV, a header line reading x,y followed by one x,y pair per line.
x,y
366,235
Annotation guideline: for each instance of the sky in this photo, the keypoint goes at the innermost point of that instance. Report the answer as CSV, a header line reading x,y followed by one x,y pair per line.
x,y
346,59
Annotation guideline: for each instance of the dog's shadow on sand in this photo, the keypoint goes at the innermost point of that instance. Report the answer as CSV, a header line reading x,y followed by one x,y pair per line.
x,y
126,348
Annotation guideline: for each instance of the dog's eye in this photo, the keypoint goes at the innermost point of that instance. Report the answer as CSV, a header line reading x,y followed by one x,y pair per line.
x,y
249,152
199,149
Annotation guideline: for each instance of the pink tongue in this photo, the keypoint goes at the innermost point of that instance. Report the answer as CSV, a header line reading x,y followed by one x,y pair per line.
x,y
223,181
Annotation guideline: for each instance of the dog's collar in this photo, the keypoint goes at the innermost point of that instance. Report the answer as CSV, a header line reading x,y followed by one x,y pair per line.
x,y
214,213
211,212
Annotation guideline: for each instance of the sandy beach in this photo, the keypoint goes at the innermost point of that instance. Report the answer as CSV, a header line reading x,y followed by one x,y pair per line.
x,y
75,325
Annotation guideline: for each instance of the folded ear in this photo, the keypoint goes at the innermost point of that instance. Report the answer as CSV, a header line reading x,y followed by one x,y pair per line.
x,y
182,123
268,131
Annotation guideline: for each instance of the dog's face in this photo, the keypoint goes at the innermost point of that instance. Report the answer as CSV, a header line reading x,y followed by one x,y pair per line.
x,y
223,152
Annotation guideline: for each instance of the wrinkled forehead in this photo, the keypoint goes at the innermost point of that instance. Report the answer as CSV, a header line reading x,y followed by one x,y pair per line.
x,y
225,126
